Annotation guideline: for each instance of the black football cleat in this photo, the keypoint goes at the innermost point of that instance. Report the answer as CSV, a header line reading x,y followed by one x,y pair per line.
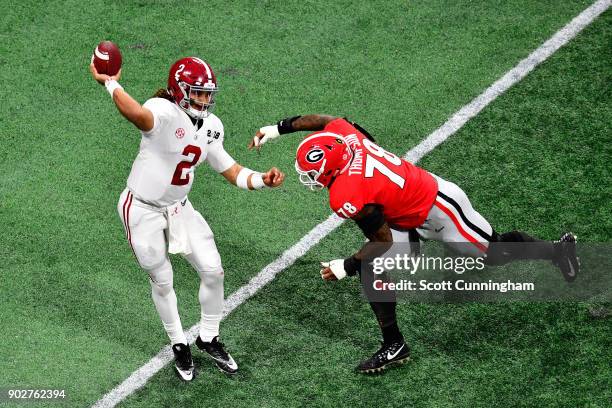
x,y
565,256
216,350
393,353
183,363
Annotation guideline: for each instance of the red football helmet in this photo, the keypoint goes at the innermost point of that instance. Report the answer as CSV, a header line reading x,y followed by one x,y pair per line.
x,y
192,84
321,157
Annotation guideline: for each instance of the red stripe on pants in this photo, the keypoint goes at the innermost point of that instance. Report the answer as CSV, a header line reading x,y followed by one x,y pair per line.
x,y
126,219
127,198
463,232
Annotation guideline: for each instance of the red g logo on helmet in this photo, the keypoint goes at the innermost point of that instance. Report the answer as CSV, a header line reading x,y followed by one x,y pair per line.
x,y
320,158
314,156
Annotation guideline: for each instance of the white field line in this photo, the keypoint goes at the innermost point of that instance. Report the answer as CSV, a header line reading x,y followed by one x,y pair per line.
x,y
140,377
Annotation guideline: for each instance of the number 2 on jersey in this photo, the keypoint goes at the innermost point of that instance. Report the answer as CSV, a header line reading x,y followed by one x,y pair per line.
x,y
372,163
178,179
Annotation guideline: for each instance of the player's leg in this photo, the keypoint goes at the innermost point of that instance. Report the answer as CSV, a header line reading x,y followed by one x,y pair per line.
x,y
144,230
404,242
206,260
145,233
383,304
453,220
517,245
393,349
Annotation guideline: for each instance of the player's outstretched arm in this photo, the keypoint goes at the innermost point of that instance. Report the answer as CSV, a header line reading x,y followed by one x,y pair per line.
x,y
373,225
133,111
250,180
290,125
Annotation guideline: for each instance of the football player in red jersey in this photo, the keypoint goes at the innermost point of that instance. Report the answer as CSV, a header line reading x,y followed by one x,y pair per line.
x,y
391,199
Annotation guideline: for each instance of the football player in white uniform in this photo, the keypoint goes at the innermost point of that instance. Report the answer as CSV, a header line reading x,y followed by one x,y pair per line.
x,y
178,132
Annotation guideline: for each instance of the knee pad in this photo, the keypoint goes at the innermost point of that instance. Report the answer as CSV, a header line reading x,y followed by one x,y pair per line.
x,y
161,279
212,277
161,289
210,294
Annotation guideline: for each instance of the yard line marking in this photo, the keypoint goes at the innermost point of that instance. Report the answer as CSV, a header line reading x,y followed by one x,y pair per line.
x,y
513,76
140,377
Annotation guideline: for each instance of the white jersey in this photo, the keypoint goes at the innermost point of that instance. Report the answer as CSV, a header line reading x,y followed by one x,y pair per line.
x,y
163,171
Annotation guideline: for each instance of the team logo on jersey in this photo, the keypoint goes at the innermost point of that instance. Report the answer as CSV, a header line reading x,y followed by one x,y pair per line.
x,y
180,133
315,155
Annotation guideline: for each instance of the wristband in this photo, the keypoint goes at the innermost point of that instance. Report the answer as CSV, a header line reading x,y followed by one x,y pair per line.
x,y
257,181
243,177
352,265
111,85
286,125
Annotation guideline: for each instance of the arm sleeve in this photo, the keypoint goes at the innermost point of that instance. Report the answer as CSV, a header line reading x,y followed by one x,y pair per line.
x,y
344,127
217,157
371,221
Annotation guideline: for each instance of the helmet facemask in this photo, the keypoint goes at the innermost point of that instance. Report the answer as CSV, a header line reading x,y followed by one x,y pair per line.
x,y
196,107
320,158
193,85
309,178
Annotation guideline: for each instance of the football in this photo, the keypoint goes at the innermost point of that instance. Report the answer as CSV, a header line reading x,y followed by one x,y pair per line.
x,y
107,58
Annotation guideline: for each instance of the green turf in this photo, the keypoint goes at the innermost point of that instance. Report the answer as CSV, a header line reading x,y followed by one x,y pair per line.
x,y
526,354
72,298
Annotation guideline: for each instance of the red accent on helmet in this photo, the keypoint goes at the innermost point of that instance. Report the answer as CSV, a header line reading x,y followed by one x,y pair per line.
x,y
190,74
321,157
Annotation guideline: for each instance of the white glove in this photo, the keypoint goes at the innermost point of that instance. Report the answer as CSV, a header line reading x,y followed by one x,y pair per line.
x,y
269,132
336,266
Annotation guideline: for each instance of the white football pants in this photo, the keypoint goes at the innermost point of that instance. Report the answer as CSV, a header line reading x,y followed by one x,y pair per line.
x,y
453,220
146,229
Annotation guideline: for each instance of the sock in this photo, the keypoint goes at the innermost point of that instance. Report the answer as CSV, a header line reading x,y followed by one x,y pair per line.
x,y
211,303
209,327
391,333
386,317
517,245
166,305
175,333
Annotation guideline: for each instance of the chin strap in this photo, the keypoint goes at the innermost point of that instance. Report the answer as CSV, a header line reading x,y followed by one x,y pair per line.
x,y
198,115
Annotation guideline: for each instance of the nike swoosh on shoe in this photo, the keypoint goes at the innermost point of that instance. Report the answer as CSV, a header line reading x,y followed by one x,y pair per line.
x,y
572,271
392,356
231,364
185,375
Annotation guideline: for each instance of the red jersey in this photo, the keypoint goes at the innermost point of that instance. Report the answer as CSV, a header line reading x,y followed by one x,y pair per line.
x,y
405,192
